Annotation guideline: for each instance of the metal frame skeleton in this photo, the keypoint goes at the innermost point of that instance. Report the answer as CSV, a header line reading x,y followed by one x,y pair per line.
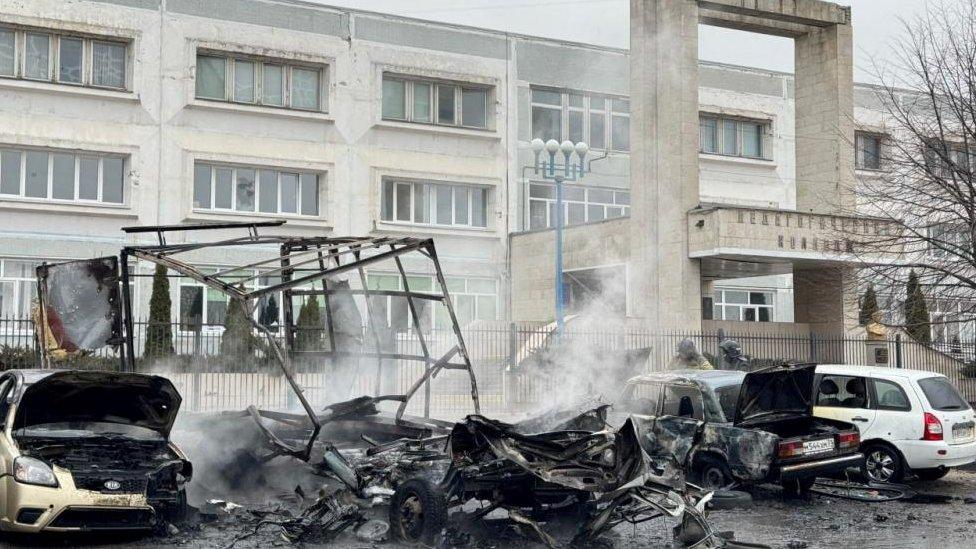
x,y
303,261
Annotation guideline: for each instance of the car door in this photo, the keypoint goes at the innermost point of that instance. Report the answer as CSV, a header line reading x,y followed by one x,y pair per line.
x,y
845,398
6,452
894,410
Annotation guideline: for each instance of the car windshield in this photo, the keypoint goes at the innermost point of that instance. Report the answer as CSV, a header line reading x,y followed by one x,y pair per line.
x,y
941,394
89,429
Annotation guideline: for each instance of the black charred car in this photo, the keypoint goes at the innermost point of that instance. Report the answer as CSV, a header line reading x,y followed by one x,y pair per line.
x,y
729,427
87,450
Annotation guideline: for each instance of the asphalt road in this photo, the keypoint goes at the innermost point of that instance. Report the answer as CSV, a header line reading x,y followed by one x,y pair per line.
x,y
818,522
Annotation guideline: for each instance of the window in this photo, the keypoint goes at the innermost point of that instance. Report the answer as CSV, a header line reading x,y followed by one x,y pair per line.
x,y
258,82
249,189
743,305
601,121
64,59
18,289
62,175
888,395
948,240
580,205
867,152
682,401
206,308
430,102
837,391
474,298
941,394
430,203
733,137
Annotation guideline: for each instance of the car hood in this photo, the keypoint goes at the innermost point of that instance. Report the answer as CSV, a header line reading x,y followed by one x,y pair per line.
x,y
771,391
141,400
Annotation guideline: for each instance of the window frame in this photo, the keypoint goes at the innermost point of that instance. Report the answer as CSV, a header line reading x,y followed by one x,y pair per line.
x,y
719,303
287,66
875,401
432,185
55,38
434,100
608,112
456,296
859,153
550,204
78,156
214,166
720,121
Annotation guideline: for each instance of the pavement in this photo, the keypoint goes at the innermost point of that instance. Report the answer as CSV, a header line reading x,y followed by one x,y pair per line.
x,y
816,522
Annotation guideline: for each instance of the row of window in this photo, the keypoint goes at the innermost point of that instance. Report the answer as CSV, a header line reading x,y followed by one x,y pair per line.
x,y
430,203
580,205
61,58
249,189
603,122
58,175
733,137
433,102
250,81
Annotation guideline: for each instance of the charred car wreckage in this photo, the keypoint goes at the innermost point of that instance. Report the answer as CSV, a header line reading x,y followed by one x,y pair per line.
x,y
372,451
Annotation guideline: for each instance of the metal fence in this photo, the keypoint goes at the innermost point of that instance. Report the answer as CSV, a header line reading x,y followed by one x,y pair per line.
x,y
506,358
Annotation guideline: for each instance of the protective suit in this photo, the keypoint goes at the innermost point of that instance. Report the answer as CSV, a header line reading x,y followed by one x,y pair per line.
x,y
688,357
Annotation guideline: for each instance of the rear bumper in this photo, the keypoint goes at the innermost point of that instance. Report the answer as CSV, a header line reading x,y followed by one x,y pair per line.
x,y
819,468
927,454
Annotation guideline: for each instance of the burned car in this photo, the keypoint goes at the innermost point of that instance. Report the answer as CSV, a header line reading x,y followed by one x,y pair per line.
x,y
734,427
88,450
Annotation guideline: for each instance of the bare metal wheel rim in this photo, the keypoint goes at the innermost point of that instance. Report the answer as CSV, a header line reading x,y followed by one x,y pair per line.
x,y
880,465
411,518
713,478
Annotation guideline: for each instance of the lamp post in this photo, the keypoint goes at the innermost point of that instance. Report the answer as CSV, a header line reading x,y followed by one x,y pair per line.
x,y
560,173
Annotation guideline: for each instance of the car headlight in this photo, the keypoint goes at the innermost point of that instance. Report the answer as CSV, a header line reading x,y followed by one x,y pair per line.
x,y
33,471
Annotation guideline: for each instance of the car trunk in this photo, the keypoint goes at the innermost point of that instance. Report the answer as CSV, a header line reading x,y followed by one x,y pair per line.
x,y
779,400
110,430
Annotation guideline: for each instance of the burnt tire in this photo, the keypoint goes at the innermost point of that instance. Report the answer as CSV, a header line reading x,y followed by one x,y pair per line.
x,y
882,463
711,472
931,474
798,487
730,499
418,512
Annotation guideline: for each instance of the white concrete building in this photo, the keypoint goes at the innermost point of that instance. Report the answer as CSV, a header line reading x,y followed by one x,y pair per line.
x,y
128,112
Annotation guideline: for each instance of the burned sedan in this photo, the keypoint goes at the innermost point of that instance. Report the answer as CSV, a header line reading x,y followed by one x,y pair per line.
x,y
87,450
729,426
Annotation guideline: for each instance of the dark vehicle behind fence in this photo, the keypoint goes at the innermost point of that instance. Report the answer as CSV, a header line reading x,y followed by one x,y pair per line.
x,y
729,426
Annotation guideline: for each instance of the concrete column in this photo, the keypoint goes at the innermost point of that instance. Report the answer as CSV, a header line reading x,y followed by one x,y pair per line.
x,y
664,285
826,299
825,120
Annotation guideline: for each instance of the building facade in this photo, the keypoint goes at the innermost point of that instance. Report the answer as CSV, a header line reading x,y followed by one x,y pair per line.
x,y
131,112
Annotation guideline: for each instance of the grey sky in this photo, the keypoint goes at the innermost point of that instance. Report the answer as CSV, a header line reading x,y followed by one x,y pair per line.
x,y
605,22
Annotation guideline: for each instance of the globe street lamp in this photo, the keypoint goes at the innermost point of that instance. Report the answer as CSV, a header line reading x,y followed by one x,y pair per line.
x,y
551,170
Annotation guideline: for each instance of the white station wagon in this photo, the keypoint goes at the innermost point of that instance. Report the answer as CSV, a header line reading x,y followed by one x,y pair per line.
x,y
911,421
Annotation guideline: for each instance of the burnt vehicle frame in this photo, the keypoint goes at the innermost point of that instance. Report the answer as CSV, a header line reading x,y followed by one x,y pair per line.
x,y
766,438
301,262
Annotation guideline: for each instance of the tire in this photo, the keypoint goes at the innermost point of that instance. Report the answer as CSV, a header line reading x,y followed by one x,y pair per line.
x,y
882,463
418,512
711,472
931,474
798,487
730,499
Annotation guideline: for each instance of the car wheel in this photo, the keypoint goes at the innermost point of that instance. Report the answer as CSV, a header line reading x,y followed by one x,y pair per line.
x,y
931,474
730,499
418,511
882,463
711,472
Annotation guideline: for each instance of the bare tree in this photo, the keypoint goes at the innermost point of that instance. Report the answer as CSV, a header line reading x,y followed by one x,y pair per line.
x,y
924,192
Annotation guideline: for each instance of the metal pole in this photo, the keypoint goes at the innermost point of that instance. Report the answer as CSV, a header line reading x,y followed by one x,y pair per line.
x,y
559,256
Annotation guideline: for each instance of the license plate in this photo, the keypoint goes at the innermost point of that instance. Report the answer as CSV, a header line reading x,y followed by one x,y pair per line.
x,y
963,431
818,446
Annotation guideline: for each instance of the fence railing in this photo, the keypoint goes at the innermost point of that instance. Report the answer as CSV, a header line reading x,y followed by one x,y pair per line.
x,y
517,365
